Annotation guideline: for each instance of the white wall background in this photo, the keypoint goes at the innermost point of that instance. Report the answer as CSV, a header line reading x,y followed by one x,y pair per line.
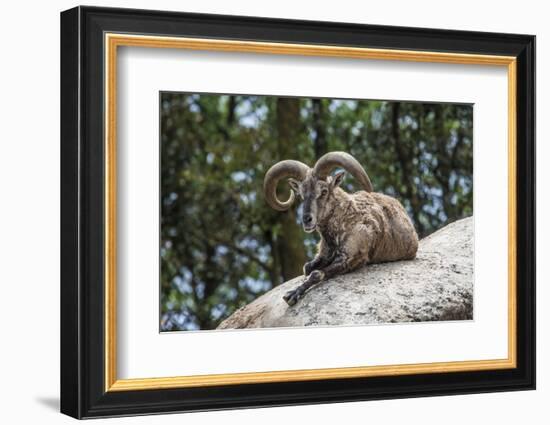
x,y
29,213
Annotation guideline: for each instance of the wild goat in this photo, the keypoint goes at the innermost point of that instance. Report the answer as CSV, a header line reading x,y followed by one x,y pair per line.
x,y
355,229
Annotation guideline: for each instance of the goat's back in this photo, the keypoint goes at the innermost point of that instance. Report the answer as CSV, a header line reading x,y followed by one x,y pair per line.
x,y
396,238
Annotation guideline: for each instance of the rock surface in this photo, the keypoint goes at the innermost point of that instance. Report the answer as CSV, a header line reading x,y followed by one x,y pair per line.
x,y
437,285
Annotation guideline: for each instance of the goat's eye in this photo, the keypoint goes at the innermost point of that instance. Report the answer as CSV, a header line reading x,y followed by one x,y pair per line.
x,y
324,192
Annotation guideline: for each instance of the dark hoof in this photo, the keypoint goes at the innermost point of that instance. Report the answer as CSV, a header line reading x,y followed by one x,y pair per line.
x,y
291,297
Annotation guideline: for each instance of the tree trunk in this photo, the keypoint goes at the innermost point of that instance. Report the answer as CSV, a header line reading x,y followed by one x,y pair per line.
x,y
319,124
289,244
404,157
443,168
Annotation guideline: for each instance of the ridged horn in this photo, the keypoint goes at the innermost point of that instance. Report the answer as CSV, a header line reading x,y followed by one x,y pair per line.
x,y
331,160
283,169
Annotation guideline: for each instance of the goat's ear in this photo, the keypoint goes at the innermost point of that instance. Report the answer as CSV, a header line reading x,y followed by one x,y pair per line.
x,y
337,179
294,185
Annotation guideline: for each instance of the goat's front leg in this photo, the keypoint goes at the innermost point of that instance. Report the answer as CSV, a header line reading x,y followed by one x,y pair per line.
x,y
323,258
339,265
351,255
317,263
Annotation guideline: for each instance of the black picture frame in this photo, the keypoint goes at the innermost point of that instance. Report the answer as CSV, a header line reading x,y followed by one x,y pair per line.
x,y
83,392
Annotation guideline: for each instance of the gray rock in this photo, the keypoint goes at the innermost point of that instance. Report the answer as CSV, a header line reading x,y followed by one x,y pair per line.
x,y
437,285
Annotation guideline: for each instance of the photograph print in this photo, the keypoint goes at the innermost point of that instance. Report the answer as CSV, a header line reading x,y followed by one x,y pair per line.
x,y
297,212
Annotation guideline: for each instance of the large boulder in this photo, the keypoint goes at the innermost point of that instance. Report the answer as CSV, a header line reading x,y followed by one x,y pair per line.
x,y
437,285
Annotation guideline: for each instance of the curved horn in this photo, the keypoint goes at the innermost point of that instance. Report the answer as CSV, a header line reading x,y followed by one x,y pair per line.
x,y
287,168
331,160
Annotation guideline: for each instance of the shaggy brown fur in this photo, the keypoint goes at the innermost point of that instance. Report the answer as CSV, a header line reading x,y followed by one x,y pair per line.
x,y
373,225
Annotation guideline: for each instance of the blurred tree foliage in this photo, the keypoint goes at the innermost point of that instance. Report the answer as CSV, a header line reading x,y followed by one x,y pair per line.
x,y
222,246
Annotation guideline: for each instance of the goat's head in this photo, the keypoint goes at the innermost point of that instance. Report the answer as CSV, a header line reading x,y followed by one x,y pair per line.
x,y
314,185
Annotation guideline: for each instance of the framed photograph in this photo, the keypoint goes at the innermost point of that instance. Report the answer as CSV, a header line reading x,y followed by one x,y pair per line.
x,y
261,212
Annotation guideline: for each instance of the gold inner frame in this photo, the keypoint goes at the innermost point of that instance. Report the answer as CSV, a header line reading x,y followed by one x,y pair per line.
x,y
113,41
